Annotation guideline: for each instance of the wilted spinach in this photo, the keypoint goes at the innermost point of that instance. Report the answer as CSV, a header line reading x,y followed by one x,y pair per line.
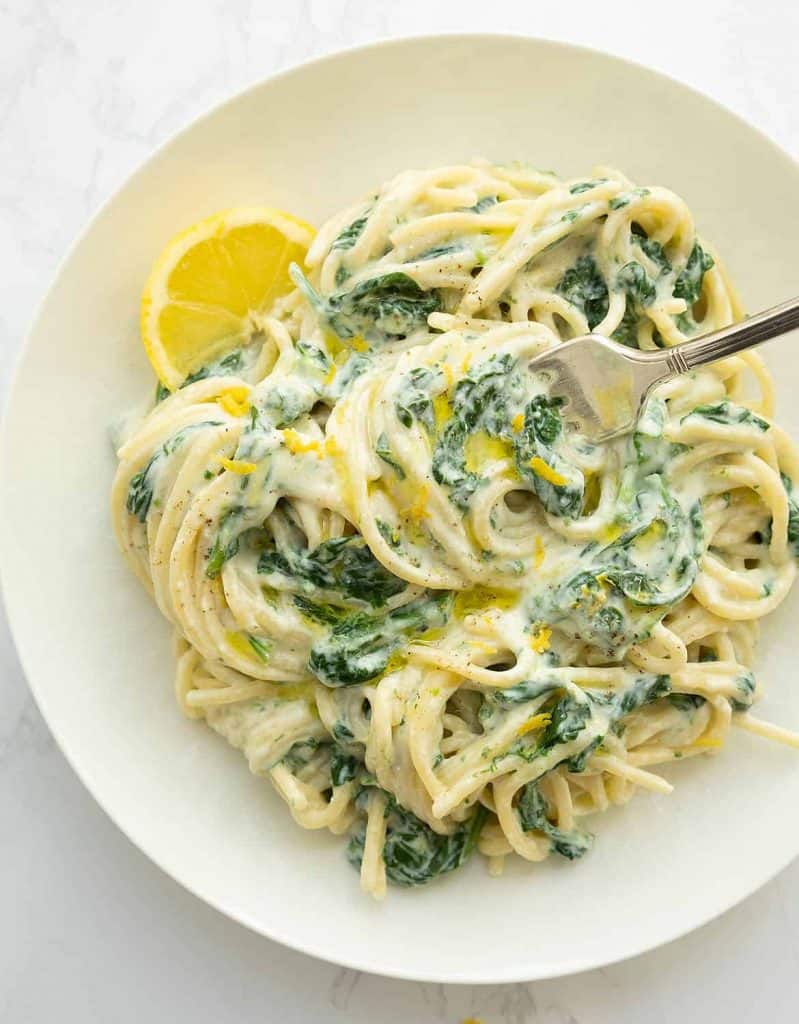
x,y
688,285
358,647
226,542
628,585
533,813
342,564
413,853
343,766
635,282
480,402
380,309
142,484
414,402
558,484
584,286
728,414
350,235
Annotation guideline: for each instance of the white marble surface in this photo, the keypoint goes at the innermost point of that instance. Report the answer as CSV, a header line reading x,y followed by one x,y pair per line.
x,y
91,931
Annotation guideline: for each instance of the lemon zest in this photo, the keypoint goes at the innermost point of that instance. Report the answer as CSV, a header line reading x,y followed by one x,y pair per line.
x,y
332,447
442,410
235,401
298,445
540,639
238,466
359,344
538,552
546,472
536,722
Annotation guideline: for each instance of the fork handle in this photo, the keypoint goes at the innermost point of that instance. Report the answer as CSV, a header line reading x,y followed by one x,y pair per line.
x,y
735,338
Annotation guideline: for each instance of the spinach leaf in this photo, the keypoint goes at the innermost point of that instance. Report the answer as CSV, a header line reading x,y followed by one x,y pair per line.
x,y
440,250
343,766
583,608
656,253
687,703
522,692
585,288
727,413
389,534
793,515
645,689
350,235
628,585
324,614
358,647
627,331
232,363
413,853
745,692
142,484
568,719
558,485
633,279
483,204
300,753
688,285
793,518
533,813
140,490
415,403
261,646
545,420
624,198
479,403
314,355
655,562
343,564
226,542
383,450
285,404
342,732
356,364
585,186
380,309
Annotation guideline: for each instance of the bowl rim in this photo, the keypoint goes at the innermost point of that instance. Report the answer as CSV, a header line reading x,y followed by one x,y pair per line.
x,y
84,774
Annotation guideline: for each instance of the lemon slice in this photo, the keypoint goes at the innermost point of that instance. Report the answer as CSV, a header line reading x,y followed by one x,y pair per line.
x,y
200,299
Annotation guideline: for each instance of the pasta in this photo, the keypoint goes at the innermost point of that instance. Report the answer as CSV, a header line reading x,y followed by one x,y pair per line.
x,y
435,617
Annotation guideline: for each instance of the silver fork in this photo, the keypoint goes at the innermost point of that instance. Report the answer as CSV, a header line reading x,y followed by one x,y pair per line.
x,y
605,385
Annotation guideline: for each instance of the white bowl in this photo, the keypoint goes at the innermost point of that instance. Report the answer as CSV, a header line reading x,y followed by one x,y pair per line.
x,y
96,652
